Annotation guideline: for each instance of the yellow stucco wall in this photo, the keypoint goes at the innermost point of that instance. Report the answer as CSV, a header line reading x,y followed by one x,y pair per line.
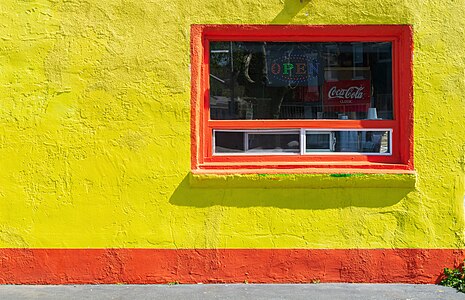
x,y
95,134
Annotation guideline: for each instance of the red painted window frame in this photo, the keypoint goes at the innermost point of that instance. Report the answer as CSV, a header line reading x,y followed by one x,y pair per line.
x,y
401,160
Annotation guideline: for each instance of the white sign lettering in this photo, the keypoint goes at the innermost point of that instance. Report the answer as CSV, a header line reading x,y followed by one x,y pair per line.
x,y
352,92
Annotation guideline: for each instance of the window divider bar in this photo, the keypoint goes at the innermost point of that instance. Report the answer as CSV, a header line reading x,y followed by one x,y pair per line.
x,y
213,142
302,141
390,141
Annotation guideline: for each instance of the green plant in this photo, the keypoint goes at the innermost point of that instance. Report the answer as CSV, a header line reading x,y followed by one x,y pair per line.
x,y
454,278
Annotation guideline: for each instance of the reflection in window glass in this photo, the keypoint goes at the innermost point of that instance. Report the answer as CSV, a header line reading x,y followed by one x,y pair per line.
x,y
349,141
229,142
257,142
314,142
291,80
319,141
278,142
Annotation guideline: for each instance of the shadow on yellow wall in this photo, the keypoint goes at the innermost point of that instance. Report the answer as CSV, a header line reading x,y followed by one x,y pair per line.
x,y
291,198
290,10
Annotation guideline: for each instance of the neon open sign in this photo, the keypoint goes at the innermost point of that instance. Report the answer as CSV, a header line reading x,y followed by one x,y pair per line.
x,y
294,69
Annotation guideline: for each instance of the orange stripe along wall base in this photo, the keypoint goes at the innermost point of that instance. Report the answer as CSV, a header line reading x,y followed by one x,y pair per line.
x,y
269,142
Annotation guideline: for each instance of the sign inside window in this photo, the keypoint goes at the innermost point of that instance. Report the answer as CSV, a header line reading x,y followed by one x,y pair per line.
x,y
347,95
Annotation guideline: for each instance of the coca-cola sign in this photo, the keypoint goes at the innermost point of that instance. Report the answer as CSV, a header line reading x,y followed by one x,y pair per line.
x,y
354,92
346,95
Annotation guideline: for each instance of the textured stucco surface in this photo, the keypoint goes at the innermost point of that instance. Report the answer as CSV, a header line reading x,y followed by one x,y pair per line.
x,y
95,133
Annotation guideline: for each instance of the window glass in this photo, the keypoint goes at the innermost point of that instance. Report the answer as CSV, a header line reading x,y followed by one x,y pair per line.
x,y
319,141
303,141
360,141
274,142
257,141
229,142
301,80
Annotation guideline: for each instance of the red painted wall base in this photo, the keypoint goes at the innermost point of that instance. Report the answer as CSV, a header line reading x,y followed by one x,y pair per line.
x,y
71,266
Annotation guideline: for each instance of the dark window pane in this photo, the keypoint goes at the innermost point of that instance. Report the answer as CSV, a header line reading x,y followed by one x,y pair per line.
x,y
349,141
276,142
291,80
316,141
229,142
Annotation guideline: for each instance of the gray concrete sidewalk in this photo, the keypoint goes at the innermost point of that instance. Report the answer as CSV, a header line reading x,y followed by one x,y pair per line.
x,y
320,291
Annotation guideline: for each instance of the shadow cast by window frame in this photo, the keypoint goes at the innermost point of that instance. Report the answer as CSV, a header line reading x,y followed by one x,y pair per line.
x,y
314,198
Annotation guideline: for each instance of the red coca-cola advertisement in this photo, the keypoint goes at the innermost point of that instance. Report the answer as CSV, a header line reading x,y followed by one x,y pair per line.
x,y
346,95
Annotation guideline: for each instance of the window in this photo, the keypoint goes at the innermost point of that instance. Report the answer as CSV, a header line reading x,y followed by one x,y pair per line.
x,y
302,98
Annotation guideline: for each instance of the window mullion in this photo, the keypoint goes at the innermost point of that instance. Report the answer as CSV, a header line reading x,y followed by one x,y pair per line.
x,y
302,141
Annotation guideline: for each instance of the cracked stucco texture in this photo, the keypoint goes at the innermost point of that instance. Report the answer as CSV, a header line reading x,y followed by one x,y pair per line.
x,y
95,133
